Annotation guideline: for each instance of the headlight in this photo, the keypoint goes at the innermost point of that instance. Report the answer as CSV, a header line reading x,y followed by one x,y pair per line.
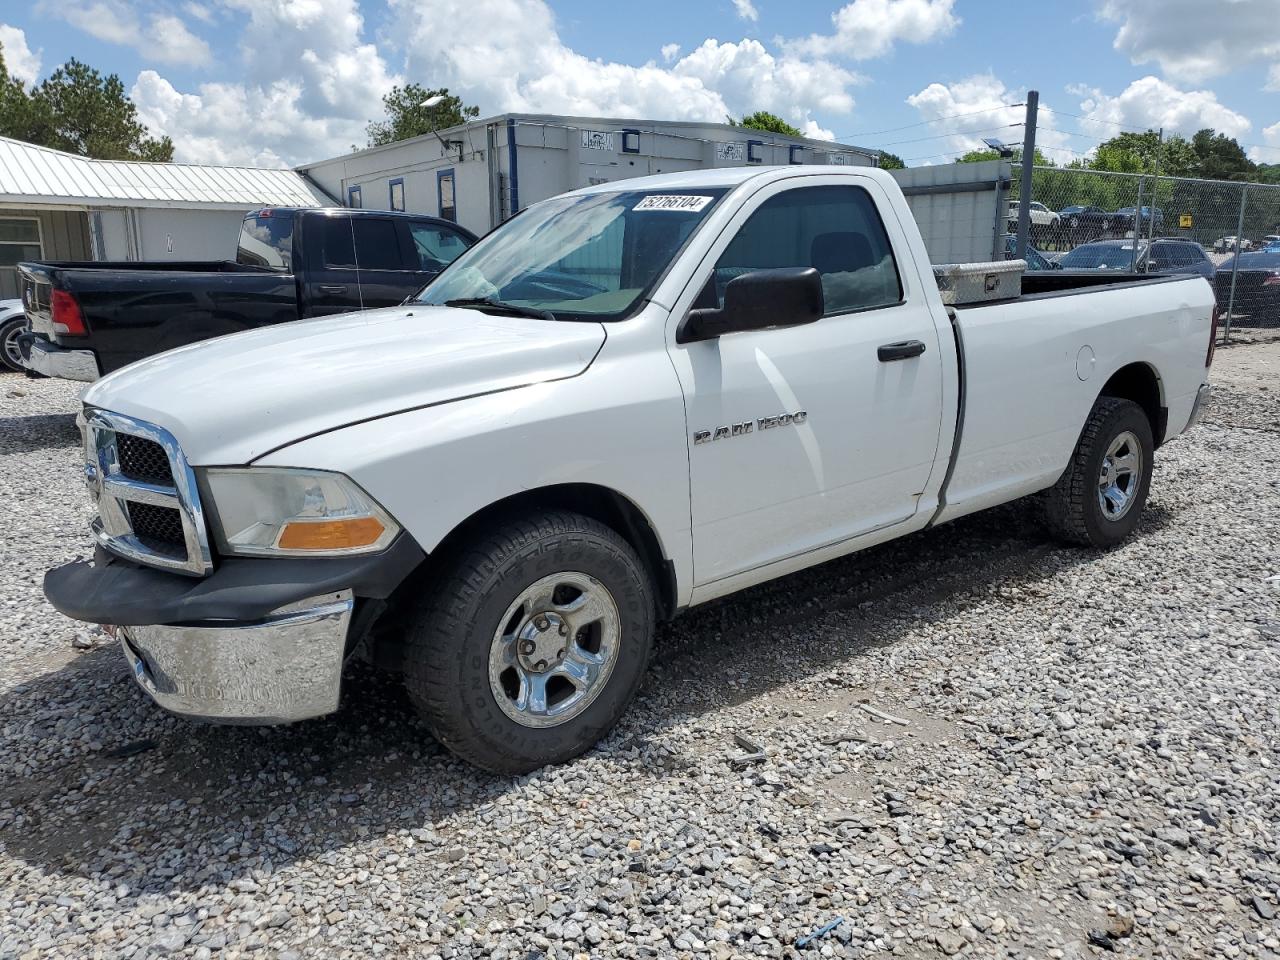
x,y
269,511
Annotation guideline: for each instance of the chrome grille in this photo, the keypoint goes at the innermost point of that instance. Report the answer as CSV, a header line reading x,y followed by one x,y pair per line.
x,y
159,528
148,506
142,459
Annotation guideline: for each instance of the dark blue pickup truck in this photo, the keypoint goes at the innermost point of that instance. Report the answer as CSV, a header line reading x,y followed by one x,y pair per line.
x,y
86,319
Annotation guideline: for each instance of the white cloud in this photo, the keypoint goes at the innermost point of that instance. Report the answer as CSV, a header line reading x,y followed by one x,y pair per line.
x,y
1193,40
521,63
961,115
199,11
816,131
746,10
169,41
1271,139
310,89
163,38
19,58
1273,78
1152,103
670,51
865,29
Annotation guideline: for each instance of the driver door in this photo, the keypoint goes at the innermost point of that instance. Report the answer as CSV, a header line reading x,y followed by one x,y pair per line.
x,y
806,436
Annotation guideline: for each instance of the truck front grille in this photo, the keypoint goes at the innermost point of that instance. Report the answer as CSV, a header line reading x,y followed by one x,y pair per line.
x,y
148,504
143,459
159,528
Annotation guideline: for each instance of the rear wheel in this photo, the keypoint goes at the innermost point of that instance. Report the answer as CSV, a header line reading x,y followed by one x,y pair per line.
x,y
10,357
1099,500
533,643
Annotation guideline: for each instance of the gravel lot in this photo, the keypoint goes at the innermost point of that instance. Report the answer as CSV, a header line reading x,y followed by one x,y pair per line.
x,y
1088,762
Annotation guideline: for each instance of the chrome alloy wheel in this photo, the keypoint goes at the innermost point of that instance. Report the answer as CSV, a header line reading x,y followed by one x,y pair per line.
x,y
1121,476
12,355
554,649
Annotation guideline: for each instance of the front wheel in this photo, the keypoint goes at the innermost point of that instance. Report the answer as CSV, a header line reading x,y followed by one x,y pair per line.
x,y
1099,500
532,643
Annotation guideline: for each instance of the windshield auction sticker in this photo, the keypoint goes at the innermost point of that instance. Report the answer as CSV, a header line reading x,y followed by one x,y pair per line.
x,y
673,202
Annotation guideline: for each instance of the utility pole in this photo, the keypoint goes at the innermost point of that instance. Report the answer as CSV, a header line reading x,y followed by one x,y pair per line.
x,y
1155,191
1028,162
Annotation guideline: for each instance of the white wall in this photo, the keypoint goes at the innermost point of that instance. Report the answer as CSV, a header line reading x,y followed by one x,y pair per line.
x,y
550,159
959,225
188,234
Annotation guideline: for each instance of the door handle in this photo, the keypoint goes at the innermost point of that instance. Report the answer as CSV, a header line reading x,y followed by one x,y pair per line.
x,y
333,288
903,350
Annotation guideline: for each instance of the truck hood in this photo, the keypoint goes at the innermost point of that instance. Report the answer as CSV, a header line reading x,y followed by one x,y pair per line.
x,y
235,398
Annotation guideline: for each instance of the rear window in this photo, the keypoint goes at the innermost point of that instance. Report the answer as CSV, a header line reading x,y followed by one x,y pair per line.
x,y
266,242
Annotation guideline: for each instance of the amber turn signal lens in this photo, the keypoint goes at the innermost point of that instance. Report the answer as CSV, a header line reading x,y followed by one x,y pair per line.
x,y
330,534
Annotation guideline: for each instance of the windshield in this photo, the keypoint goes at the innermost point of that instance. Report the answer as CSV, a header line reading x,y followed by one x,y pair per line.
x,y
1101,256
588,257
266,241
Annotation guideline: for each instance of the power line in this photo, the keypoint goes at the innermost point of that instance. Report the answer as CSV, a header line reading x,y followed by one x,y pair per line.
x,y
966,133
957,116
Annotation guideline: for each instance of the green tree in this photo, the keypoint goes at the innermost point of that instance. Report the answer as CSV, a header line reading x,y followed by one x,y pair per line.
x,y
1219,157
977,156
1145,153
769,122
78,110
891,161
407,117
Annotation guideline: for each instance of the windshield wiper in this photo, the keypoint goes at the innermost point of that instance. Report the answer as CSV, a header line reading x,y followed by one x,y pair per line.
x,y
500,306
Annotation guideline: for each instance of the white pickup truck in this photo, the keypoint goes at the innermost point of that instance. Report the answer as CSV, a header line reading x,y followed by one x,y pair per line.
x,y
625,401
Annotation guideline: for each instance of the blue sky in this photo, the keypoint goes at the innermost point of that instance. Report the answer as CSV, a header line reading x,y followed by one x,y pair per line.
x,y
286,81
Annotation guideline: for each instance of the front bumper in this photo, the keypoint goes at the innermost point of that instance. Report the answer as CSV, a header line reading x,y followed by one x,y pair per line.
x,y
257,641
55,361
285,667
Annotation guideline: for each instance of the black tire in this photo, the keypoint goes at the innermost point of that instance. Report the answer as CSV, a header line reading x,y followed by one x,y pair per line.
x,y
1073,508
9,331
446,664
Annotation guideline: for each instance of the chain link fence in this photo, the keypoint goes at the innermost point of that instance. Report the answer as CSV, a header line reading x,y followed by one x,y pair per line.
x,y
1228,232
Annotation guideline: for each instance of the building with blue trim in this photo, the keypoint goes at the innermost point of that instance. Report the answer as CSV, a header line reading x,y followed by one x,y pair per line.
x,y
481,172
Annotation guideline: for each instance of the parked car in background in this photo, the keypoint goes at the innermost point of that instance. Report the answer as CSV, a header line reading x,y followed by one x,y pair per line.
x,y
1270,241
1231,244
501,487
1043,220
1129,218
1257,286
87,319
1165,255
12,323
1035,259
1084,221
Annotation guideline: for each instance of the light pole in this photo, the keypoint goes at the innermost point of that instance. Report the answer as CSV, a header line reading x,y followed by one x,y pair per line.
x,y
435,101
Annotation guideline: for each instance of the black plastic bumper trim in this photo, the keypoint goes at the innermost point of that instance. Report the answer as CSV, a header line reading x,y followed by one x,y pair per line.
x,y
111,590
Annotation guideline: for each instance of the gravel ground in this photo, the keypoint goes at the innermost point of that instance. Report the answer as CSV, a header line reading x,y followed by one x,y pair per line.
x,y
1087,764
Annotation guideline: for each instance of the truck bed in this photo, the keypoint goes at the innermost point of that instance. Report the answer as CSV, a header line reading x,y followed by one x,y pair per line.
x,y
1043,284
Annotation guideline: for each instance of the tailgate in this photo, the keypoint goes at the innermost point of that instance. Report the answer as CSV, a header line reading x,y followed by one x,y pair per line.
x,y
36,282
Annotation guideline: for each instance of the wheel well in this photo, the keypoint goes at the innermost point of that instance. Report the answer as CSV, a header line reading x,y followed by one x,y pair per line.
x,y
599,503
1139,383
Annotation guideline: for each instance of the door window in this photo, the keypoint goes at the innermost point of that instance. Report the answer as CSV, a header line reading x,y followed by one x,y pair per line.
x,y
835,229
448,206
435,246
376,246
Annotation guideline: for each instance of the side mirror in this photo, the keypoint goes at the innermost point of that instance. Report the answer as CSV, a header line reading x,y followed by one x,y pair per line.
x,y
783,297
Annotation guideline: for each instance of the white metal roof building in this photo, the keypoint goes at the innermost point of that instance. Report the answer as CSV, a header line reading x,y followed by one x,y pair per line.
x,y
60,206
481,172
